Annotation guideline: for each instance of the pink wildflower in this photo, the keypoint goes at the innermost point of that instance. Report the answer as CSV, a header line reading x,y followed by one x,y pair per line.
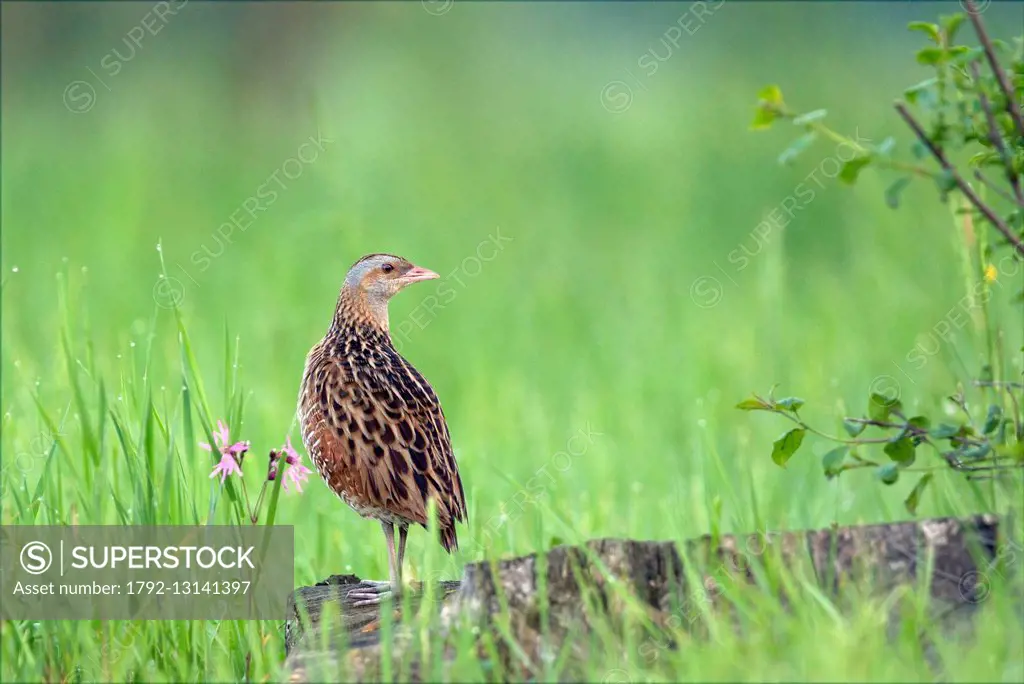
x,y
227,466
296,473
231,454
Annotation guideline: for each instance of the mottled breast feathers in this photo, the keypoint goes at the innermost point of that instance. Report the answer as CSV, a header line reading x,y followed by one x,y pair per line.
x,y
376,432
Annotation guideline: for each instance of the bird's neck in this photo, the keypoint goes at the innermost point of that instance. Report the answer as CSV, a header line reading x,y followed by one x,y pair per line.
x,y
356,310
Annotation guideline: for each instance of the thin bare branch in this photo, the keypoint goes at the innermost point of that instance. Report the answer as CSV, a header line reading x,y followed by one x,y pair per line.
x,y
996,137
964,186
999,383
1004,82
996,189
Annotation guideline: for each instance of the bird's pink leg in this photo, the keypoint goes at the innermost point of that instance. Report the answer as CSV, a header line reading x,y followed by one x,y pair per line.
x,y
403,532
393,570
371,593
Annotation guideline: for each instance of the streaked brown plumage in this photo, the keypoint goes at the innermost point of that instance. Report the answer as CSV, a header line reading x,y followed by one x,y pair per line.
x,y
371,423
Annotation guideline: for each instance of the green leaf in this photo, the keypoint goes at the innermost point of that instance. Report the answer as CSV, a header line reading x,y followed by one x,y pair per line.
x,y
808,117
942,132
922,422
853,429
921,91
985,158
944,431
832,462
888,473
851,169
931,56
980,451
963,56
901,451
892,193
950,25
798,146
914,498
763,118
786,446
880,407
753,405
790,403
771,94
931,29
995,414
946,182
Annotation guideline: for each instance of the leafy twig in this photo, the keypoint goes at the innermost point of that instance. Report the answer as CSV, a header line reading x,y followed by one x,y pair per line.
x,y
997,139
999,383
993,62
996,189
964,186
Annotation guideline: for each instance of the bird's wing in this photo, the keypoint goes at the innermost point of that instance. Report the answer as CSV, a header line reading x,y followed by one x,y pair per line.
x,y
382,418
413,430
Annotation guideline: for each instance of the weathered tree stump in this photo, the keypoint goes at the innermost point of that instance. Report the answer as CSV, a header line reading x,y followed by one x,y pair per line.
x,y
674,588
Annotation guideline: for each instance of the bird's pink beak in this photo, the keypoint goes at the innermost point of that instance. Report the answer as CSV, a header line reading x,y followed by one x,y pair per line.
x,y
416,274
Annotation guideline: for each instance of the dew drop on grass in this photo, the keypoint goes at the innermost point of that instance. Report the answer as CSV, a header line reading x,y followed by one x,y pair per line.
x,y
118,356
159,248
131,344
14,270
120,398
701,423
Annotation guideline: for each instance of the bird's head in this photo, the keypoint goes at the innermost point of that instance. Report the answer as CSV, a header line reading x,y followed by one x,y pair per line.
x,y
381,276
376,278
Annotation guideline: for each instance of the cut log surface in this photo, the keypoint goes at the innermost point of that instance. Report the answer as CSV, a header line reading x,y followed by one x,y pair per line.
x,y
674,586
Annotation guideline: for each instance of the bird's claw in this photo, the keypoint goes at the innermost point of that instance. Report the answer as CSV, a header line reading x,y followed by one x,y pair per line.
x,y
370,593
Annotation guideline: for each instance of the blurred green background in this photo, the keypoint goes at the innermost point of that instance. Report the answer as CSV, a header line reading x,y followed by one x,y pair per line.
x,y
633,295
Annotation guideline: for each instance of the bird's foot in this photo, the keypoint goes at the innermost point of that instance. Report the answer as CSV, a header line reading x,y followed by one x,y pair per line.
x,y
370,593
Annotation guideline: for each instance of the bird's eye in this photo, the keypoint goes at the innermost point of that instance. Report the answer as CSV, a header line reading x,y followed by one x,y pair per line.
x,y
387,268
